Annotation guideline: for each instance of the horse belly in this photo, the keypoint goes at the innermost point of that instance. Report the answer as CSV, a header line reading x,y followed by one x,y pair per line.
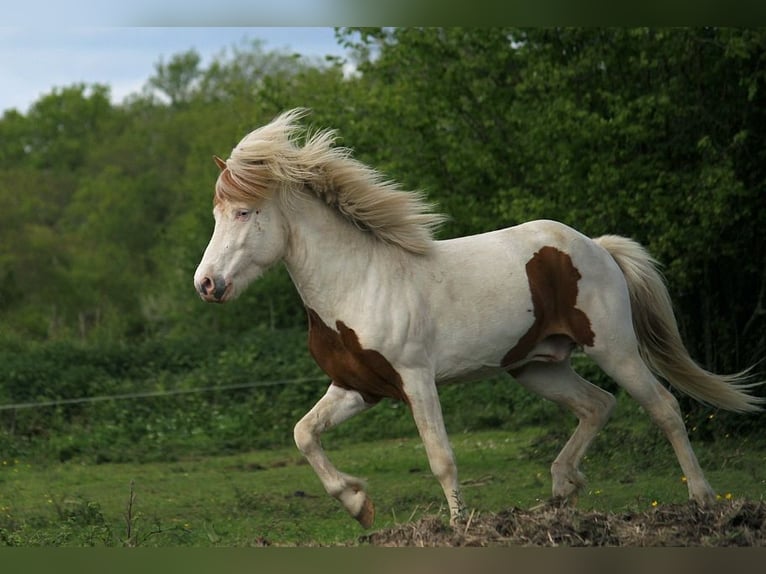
x,y
475,353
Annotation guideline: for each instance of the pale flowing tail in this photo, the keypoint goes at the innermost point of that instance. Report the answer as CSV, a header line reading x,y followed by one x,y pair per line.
x,y
659,340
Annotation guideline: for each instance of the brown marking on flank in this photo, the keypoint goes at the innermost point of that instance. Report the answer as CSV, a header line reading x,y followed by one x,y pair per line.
x,y
553,285
351,367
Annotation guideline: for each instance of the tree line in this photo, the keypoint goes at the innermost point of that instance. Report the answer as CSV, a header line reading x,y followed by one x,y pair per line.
x,y
658,134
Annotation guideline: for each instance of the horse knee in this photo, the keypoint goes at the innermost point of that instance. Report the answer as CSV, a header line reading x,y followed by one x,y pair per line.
x,y
304,436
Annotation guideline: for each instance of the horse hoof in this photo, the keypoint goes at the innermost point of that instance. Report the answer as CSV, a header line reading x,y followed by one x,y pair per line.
x,y
559,501
366,515
705,499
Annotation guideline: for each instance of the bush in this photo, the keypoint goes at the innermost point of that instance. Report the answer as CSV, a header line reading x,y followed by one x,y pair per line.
x,y
194,410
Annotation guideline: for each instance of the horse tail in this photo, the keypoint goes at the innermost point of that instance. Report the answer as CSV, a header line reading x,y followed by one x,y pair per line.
x,y
659,340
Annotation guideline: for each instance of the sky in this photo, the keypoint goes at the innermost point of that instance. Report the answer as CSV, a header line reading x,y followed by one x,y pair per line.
x,y
36,59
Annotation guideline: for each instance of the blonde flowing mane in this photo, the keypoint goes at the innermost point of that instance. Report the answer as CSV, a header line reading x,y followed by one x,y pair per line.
x,y
268,161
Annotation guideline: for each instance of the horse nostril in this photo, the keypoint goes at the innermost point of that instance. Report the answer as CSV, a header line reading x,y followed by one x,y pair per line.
x,y
219,288
206,286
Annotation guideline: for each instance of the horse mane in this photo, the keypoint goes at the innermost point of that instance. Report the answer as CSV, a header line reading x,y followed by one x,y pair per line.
x,y
269,161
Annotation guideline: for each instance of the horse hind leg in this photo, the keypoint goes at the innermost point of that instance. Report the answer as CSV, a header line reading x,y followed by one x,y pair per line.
x,y
336,406
591,405
624,364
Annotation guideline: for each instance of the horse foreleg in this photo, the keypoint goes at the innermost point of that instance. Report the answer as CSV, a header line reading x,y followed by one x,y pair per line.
x,y
426,410
336,406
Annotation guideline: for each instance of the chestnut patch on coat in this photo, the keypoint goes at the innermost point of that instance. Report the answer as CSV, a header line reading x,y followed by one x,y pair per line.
x,y
351,367
553,284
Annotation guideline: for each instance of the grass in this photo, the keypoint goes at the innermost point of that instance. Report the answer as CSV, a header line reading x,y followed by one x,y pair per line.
x,y
273,497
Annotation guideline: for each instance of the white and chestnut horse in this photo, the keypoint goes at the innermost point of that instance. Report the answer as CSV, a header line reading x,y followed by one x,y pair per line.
x,y
394,313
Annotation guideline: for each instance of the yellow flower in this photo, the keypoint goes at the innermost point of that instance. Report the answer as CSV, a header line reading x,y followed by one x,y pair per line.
x,y
654,503
683,479
727,496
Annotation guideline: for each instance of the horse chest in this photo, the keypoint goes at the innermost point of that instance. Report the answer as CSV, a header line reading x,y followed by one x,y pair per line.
x,y
340,355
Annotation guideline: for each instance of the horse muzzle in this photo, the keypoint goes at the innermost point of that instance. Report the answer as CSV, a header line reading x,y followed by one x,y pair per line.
x,y
213,289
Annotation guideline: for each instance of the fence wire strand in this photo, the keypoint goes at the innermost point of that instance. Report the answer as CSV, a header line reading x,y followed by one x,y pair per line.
x,y
157,393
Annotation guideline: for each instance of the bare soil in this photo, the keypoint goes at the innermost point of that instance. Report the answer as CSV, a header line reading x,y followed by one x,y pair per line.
x,y
727,523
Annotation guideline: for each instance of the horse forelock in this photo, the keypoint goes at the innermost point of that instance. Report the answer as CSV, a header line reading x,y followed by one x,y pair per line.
x,y
261,161
269,160
242,186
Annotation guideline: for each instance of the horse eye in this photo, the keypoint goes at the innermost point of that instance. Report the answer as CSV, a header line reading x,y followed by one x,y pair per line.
x,y
242,214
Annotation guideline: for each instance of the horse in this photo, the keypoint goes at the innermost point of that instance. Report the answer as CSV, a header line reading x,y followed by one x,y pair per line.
x,y
394,313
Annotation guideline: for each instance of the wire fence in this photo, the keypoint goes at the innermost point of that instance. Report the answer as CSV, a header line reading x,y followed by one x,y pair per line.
x,y
157,393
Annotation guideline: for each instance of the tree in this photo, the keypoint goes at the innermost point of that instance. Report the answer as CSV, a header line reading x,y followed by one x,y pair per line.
x,y
176,79
64,125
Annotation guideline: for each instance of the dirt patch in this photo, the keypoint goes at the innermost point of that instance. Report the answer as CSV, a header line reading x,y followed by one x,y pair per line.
x,y
728,523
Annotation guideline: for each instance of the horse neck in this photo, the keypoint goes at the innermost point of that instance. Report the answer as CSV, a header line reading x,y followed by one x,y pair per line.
x,y
327,256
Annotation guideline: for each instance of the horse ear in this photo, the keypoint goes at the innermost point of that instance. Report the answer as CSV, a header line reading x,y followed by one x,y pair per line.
x,y
219,162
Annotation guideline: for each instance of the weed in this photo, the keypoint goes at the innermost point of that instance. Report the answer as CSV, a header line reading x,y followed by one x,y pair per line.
x,y
131,539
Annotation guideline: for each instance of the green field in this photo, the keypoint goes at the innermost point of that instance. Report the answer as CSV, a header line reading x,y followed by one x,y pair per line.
x,y
273,497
